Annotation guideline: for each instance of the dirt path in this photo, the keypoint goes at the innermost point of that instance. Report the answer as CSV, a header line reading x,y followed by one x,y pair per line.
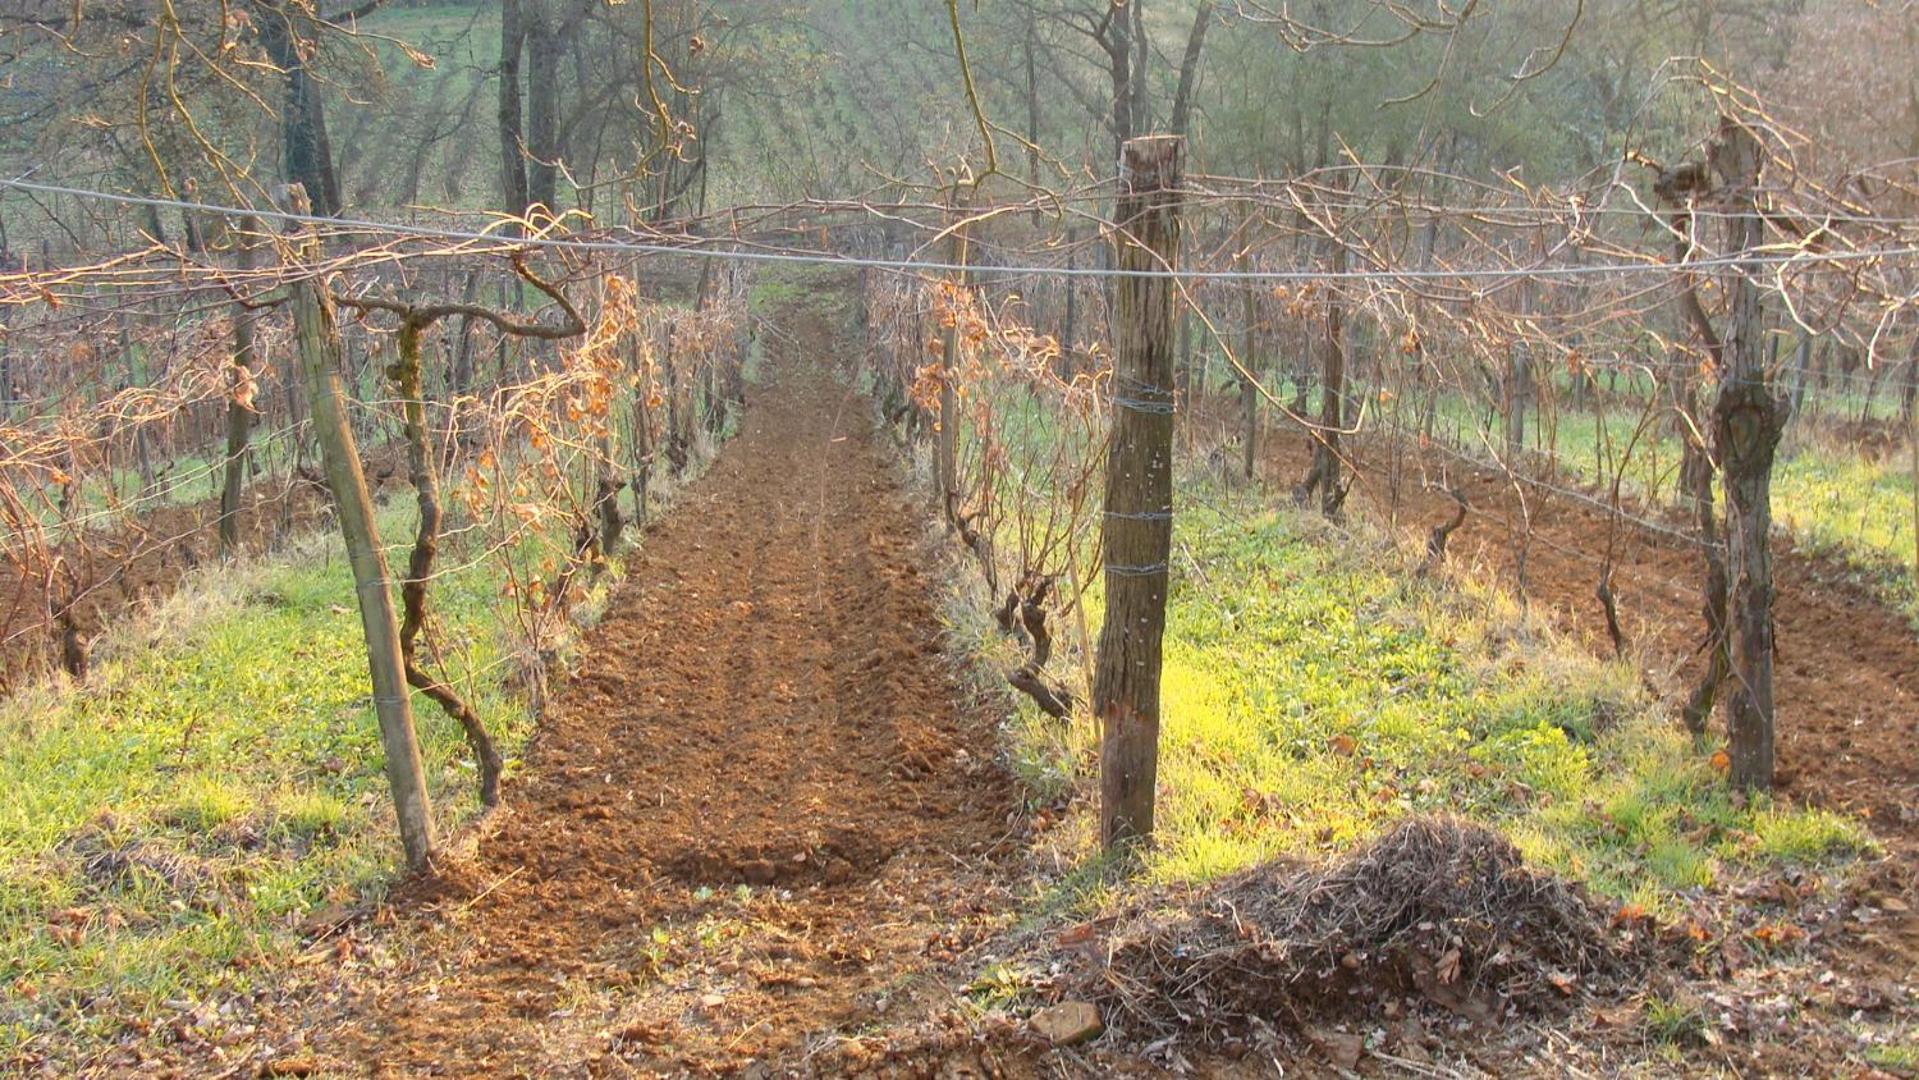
x,y
756,813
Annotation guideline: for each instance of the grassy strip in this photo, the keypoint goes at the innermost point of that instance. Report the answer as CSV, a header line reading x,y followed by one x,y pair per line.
x,y
1317,688
174,823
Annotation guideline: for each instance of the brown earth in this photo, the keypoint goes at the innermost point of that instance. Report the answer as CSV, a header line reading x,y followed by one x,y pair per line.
x,y
753,818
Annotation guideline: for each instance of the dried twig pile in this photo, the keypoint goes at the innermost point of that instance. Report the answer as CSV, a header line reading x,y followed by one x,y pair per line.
x,y
1437,907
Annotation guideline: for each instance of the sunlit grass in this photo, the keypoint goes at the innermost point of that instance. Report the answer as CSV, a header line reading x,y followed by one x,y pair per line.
x,y
218,778
1315,690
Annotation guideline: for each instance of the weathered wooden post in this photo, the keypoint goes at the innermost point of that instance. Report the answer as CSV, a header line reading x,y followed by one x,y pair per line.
x,y
1248,388
1325,474
1137,538
946,447
1748,420
240,399
318,338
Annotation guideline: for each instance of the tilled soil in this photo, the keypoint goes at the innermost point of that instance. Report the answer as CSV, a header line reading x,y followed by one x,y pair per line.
x,y
756,813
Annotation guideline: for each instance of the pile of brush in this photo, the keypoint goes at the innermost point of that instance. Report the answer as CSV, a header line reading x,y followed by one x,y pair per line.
x,y
1437,908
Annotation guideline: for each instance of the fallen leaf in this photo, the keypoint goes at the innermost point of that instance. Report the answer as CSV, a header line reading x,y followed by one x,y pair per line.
x,y
1628,913
1076,935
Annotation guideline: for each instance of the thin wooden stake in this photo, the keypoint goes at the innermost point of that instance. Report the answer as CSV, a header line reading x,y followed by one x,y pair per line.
x,y
319,352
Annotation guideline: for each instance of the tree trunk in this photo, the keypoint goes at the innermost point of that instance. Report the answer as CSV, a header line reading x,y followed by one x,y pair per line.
x,y
239,402
1137,538
1118,43
513,188
1802,363
1141,107
1189,67
1326,472
1032,104
319,352
542,108
1070,331
1695,487
1518,395
1909,394
1748,420
1696,470
306,152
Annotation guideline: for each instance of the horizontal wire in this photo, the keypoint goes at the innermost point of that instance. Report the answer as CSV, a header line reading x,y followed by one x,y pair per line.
x,y
911,265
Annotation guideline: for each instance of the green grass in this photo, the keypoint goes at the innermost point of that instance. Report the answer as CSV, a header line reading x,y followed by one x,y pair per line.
x,y
1903,1057
1315,690
219,778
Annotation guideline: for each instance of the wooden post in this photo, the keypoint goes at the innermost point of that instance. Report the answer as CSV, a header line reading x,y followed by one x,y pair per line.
x,y
1070,333
946,448
1914,424
1248,390
239,402
1332,395
1137,538
320,359
1748,420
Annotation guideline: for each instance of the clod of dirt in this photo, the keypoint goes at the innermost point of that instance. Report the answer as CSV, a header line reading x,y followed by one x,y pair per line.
x,y
1069,1023
1437,907
1340,1047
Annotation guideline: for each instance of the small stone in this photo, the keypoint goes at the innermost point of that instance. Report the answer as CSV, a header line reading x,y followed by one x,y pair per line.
x,y
1069,1023
1411,1040
712,1001
1341,1048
